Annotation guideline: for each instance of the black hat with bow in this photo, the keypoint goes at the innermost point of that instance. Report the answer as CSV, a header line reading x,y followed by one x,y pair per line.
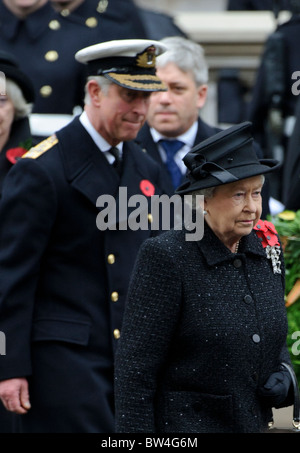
x,y
226,157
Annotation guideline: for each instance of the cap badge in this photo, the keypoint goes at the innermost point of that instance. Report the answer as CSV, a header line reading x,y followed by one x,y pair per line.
x,y
146,59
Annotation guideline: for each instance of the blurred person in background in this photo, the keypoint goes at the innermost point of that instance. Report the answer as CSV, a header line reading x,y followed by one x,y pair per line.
x,y
112,19
275,93
257,5
15,105
125,16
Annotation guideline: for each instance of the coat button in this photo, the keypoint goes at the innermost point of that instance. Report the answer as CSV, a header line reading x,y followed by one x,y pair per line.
x,y
114,296
65,12
237,263
51,55
91,22
256,338
46,91
54,25
111,258
117,334
248,299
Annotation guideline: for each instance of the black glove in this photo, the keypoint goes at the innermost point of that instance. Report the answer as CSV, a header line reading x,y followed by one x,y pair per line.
x,y
276,389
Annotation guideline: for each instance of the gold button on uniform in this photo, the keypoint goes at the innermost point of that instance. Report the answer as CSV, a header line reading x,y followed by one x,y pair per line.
x,y
150,218
102,6
65,12
111,258
51,55
91,22
45,91
54,25
117,334
114,296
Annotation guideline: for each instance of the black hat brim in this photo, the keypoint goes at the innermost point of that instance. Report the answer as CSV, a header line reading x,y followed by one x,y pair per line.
x,y
262,167
21,79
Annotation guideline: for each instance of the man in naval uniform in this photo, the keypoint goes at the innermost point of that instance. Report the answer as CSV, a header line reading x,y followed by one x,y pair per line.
x,y
65,273
125,16
120,17
44,44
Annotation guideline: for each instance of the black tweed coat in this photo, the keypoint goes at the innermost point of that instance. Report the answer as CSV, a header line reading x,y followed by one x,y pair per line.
x,y
203,330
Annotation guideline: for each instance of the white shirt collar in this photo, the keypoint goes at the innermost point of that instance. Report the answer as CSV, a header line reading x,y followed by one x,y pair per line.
x,y
100,142
187,137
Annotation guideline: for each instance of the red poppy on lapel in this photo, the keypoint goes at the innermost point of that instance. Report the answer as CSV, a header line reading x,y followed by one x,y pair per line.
x,y
267,232
147,188
13,154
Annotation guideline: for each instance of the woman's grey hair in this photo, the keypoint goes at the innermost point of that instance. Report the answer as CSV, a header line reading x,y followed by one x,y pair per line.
x,y
14,93
206,194
103,83
187,55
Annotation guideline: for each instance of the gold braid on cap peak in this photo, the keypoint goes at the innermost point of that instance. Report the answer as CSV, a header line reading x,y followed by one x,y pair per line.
x,y
137,81
146,59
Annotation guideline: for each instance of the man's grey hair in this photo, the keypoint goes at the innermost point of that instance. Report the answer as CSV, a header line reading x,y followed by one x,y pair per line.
x,y
15,94
103,83
187,55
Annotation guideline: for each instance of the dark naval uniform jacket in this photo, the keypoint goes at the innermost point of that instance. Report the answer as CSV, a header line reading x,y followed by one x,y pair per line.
x,y
203,329
44,45
63,280
111,19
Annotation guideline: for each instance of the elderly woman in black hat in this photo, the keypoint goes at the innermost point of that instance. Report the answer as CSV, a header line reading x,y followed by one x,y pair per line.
x,y
16,100
203,341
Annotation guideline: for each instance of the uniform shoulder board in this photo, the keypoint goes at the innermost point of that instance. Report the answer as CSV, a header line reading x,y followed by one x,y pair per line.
x,y
42,147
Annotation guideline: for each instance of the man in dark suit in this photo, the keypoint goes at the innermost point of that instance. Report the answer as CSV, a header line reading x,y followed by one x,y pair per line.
x,y
65,258
174,114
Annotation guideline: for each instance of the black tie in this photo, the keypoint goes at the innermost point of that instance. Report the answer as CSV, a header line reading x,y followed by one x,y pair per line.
x,y
117,164
171,147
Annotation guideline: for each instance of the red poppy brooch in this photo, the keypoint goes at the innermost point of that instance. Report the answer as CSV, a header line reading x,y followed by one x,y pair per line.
x,y
147,188
269,238
14,154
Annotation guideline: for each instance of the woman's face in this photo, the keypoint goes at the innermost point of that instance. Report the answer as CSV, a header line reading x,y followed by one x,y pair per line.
x,y
7,112
235,209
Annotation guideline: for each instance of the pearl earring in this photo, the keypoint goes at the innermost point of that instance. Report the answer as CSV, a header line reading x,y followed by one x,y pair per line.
x,y
204,212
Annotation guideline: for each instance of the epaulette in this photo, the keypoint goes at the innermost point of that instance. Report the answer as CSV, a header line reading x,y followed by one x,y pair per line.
x,y
41,147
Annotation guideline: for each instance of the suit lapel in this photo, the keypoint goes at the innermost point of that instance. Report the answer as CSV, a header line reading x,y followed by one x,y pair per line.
x,y
87,169
132,176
